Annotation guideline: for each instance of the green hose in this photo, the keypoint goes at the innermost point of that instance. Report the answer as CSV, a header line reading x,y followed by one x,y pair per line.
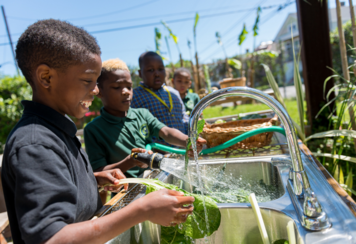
x,y
222,146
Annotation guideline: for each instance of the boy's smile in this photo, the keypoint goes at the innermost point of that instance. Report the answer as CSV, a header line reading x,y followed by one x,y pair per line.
x,y
68,91
115,91
153,72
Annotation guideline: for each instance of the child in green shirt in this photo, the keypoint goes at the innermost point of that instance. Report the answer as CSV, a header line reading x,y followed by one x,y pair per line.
x,y
182,82
110,137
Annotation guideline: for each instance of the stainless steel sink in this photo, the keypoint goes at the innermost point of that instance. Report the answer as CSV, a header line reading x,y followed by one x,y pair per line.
x,y
249,175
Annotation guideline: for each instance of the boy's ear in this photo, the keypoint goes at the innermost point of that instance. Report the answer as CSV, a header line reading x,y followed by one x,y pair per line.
x,y
139,73
44,75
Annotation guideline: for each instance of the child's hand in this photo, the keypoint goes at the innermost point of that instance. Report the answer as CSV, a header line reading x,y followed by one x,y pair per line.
x,y
139,163
167,207
109,179
200,143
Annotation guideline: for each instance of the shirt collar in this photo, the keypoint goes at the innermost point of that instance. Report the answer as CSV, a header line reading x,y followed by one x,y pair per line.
x,y
115,120
143,84
64,123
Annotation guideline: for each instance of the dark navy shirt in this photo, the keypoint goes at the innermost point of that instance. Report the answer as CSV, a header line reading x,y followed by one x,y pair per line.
x,y
47,179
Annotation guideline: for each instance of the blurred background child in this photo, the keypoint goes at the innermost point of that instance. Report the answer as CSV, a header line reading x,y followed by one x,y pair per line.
x,y
182,82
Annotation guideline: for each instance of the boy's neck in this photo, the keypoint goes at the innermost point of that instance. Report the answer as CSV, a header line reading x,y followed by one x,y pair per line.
x,y
120,114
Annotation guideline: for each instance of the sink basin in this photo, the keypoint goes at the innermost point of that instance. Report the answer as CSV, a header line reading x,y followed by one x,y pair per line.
x,y
239,226
238,223
260,177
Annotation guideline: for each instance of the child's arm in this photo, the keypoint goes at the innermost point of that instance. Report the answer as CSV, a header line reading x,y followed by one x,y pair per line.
x,y
126,163
177,138
161,207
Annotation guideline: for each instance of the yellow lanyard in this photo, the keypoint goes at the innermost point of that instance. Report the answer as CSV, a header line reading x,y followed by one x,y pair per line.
x,y
159,99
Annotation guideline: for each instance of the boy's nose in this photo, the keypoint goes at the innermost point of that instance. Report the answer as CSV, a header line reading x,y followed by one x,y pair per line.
x,y
125,91
95,90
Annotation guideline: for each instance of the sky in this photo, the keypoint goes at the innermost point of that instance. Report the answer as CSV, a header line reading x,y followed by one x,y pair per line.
x,y
125,29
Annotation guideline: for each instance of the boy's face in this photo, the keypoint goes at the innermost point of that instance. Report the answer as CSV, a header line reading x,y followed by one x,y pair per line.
x,y
153,72
182,82
115,91
70,91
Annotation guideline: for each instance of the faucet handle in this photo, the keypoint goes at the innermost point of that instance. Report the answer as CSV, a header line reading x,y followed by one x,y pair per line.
x,y
311,205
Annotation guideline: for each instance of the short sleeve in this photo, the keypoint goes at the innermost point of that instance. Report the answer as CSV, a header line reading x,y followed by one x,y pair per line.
x,y
45,194
154,124
94,149
136,101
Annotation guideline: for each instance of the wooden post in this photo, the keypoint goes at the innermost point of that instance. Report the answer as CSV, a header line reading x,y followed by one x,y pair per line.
x,y
251,72
181,60
342,44
197,69
196,83
352,13
313,25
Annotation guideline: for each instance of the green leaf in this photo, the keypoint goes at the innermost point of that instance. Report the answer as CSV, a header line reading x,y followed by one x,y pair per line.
x,y
298,87
273,84
340,157
341,176
234,63
333,133
196,20
349,182
175,38
243,35
200,126
255,26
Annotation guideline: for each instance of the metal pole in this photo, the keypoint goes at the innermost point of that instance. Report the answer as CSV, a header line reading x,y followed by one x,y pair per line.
x,y
8,34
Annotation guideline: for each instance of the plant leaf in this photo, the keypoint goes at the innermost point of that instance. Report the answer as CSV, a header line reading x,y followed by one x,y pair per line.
x,y
255,26
341,176
196,20
340,157
349,182
272,82
336,173
234,63
243,35
218,37
298,88
333,133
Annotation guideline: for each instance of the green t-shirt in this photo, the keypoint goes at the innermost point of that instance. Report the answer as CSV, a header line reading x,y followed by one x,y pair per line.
x,y
190,100
109,139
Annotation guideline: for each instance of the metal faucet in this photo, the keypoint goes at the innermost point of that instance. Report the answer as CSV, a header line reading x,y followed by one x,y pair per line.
x,y
309,211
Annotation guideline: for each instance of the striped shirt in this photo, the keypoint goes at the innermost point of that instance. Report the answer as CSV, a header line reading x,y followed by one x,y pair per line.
x,y
177,118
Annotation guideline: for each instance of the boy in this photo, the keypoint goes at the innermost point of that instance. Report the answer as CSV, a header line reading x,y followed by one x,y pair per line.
x,y
49,186
110,137
181,82
162,101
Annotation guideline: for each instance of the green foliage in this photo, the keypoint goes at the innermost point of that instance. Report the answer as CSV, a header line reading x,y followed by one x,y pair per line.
x,y
242,35
218,38
335,48
158,37
234,63
12,91
196,22
255,26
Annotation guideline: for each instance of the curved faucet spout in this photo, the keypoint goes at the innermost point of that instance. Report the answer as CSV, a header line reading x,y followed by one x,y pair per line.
x,y
300,180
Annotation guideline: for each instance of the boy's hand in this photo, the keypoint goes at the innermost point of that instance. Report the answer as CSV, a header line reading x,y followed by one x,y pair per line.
x,y
139,163
167,207
200,143
109,179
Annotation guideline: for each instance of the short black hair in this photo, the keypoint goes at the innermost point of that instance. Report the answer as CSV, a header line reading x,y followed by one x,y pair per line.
x,y
145,55
182,70
55,43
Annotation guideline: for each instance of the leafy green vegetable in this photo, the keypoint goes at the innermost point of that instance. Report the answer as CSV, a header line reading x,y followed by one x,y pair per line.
x,y
219,121
195,227
200,127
